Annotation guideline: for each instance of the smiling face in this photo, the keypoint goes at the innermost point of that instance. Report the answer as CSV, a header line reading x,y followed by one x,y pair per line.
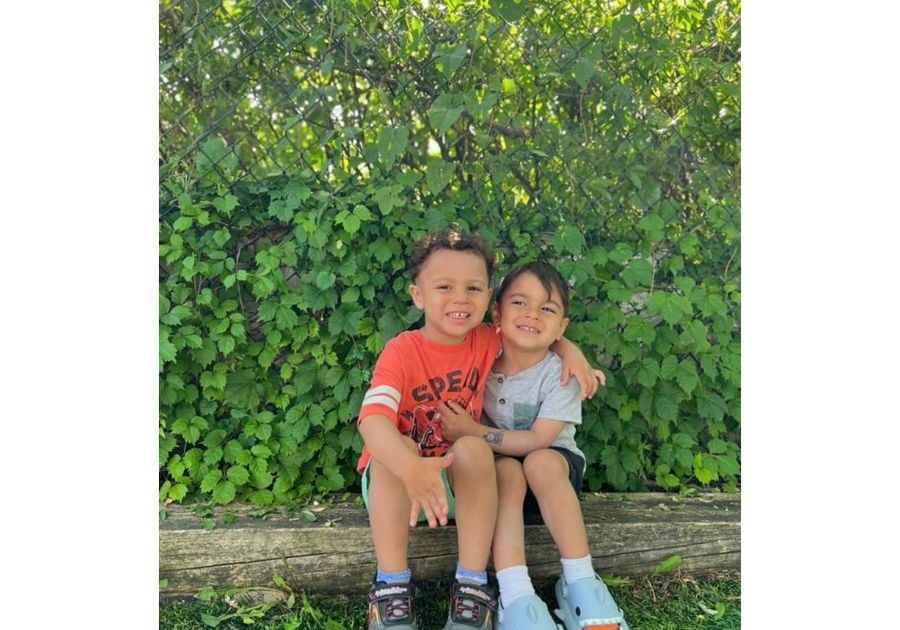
x,y
530,320
452,288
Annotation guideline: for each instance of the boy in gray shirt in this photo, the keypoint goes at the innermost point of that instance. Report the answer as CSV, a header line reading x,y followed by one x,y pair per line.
x,y
529,419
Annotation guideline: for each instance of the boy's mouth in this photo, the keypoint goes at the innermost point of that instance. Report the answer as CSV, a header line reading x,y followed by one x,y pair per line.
x,y
458,315
528,329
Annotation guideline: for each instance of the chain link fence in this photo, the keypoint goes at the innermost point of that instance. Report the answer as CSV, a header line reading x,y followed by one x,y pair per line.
x,y
579,97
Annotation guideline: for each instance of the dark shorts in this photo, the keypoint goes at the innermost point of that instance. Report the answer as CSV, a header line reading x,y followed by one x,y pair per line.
x,y
530,507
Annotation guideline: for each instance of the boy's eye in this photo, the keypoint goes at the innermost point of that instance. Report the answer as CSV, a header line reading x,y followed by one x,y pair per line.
x,y
518,302
474,288
549,309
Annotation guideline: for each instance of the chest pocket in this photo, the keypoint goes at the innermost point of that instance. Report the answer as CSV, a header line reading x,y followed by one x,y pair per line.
x,y
524,415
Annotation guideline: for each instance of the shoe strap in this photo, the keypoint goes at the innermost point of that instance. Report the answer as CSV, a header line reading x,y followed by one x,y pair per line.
x,y
396,600
469,599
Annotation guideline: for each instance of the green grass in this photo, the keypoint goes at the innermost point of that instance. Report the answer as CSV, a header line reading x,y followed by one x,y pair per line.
x,y
658,603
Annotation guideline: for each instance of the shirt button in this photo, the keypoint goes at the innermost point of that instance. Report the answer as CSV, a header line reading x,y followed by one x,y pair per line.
x,y
502,401
500,379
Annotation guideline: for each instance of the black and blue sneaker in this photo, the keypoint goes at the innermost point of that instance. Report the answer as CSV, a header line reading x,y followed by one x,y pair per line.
x,y
391,606
471,606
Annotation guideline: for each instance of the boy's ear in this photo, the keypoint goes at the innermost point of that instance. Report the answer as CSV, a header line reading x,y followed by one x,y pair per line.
x,y
495,313
417,297
562,328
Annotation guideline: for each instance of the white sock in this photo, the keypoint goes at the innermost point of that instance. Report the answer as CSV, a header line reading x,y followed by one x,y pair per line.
x,y
514,583
577,568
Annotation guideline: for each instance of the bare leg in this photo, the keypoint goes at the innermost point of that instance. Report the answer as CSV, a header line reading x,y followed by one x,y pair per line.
x,y
389,508
474,482
547,473
509,533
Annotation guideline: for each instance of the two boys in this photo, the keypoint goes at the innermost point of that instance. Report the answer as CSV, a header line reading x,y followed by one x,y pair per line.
x,y
408,464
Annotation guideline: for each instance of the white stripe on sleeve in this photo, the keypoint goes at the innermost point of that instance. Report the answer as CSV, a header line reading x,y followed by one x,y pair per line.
x,y
387,401
384,389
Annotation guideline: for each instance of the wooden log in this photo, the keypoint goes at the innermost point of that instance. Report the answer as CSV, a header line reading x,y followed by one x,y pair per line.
x,y
629,534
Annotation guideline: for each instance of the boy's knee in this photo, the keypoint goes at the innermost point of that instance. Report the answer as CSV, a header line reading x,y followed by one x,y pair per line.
x,y
472,451
544,466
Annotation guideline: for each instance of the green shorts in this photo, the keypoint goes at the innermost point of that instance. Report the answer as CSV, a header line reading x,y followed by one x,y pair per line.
x,y
451,503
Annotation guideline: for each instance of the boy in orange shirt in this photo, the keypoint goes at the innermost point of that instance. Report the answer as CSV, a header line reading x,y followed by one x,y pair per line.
x,y
407,464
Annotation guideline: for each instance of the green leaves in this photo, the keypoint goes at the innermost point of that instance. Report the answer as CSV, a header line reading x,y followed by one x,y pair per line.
x,y
653,226
569,239
710,405
438,174
281,210
215,157
391,144
584,70
673,308
637,273
325,279
448,59
243,390
686,375
352,220
345,320
224,492
647,372
669,564
509,10
388,198
445,110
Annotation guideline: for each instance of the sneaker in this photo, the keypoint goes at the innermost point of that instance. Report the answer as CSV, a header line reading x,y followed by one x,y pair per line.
x,y
587,604
528,611
471,606
391,606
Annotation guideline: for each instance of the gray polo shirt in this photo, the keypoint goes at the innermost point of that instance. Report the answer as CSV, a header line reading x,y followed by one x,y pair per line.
x,y
514,402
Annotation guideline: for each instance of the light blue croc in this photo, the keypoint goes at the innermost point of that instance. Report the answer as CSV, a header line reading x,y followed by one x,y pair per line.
x,y
527,612
587,604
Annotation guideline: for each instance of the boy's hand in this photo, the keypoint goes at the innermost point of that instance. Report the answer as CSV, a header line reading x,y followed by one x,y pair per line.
x,y
426,490
586,376
455,421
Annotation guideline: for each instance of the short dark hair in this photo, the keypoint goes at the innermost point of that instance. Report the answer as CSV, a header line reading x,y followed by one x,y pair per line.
x,y
548,276
450,238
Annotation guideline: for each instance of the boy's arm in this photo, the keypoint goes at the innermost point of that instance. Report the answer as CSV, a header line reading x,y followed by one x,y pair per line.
x,y
420,475
575,364
456,422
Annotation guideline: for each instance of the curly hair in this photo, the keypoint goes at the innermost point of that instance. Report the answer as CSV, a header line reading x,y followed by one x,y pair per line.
x,y
450,238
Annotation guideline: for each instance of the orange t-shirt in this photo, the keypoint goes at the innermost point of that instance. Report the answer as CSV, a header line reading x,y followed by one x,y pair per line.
x,y
412,375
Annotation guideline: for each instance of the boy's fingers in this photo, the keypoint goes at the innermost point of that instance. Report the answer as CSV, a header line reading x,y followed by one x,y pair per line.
x,y
587,387
429,516
441,511
425,507
414,513
439,508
